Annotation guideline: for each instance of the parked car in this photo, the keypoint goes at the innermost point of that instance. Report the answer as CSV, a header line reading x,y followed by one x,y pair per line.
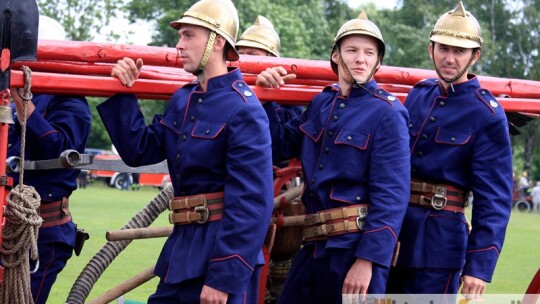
x,y
116,179
95,151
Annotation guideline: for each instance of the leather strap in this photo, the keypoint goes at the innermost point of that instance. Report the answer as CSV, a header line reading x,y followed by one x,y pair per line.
x,y
55,213
437,196
199,209
321,225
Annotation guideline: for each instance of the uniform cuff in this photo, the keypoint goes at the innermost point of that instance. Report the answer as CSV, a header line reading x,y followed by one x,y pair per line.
x,y
377,246
37,122
230,274
481,263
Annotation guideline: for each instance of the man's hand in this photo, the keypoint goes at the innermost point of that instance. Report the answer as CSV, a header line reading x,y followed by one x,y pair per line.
x,y
127,70
210,295
358,278
274,77
17,99
473,287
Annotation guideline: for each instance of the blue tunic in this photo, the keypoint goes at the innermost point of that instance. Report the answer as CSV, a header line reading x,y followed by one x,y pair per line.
x,y
58,123
213,141
354,150
460,138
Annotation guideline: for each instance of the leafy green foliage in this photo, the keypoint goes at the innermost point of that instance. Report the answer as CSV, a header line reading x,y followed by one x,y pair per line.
x,y
81,19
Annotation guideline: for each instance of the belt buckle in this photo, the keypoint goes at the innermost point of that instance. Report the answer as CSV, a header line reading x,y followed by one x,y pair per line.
x,y
204,212
438,201
362,213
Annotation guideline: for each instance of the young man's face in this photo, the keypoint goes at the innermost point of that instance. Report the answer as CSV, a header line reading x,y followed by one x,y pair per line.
x,y
360,55
246,50
451,60
192,41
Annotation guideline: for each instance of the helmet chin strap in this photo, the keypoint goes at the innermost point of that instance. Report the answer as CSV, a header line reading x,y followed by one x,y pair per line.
x,y
348,72
206,55
458,76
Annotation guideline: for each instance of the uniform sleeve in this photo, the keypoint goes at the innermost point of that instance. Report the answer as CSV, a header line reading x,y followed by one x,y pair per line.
x,y
492,190
389,184
286,134
248,201
66,125
136,143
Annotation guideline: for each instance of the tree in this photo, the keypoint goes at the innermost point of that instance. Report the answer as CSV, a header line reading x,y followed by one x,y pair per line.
x,y
81,19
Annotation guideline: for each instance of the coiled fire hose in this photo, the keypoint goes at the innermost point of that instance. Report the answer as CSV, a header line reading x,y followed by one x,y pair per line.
x,y
104,257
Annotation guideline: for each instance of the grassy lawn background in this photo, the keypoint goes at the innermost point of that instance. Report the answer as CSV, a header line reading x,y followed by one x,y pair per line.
x,y
98,209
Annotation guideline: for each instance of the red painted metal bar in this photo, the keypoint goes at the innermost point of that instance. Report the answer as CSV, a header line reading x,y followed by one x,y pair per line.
x,y
305,69
160,89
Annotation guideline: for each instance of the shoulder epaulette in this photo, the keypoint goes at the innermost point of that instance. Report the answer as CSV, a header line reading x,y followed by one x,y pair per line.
x,y
331,87
384,95
244,91
488,100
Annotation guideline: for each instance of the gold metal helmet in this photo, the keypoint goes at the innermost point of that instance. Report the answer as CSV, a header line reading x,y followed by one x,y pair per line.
x,y
457,28
359,26
261,35
219,16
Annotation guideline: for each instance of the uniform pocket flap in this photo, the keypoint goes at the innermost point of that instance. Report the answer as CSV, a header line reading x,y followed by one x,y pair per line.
x,y
207,129
312,130
348,195
358,140
452,137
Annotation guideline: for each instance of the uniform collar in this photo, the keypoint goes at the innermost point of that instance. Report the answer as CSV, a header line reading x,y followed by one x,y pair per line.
x,y
368,89
225,80
460,88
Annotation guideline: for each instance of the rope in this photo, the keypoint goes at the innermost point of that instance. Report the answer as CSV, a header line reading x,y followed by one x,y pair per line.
x,y
22,226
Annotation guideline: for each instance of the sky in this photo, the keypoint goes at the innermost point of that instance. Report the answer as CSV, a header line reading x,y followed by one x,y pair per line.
x,y
142,31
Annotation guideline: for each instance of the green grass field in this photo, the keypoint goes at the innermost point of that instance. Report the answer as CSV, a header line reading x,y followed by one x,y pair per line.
x,y
98,209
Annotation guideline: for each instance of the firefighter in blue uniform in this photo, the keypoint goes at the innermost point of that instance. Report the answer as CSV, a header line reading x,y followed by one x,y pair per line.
x,y
215,137
55,123
353,143
459,143
261,39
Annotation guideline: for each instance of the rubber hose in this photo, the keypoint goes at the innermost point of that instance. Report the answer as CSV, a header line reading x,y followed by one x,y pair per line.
x,y
104,257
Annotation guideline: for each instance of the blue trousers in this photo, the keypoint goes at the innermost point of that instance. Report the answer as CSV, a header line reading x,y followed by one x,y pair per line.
x,y
52,259
189,292
320,279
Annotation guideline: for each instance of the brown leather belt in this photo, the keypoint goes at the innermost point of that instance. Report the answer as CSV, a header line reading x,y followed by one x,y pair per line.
x,y
199,209
437,196
331,222
55,213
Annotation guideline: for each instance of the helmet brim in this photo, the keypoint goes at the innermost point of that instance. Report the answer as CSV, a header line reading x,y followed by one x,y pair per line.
x,y
455,41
